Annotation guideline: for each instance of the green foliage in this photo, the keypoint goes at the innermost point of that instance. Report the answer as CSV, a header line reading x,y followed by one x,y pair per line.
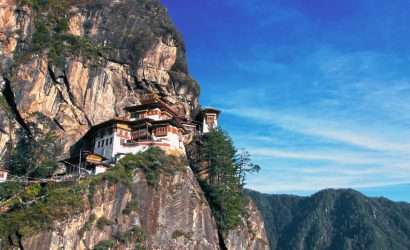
x,y
227,171
35,154
51,37
334,219
31,192
245,166
135,234
36,207
115,175
58,204
132,206
219,153
102,222
9,189
153,162
178,233
15,195
104,245
87,226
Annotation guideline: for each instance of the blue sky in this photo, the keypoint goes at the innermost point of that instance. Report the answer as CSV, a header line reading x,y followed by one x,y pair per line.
x,y
317,91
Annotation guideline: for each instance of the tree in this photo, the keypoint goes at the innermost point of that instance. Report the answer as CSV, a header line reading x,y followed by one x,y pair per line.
x,y
35,154
245,166
227,172
219,153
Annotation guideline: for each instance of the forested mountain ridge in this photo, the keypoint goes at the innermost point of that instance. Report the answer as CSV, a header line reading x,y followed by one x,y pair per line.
x,y
334,219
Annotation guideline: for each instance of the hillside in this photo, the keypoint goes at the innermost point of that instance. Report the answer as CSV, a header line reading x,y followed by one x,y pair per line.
x,y
334,219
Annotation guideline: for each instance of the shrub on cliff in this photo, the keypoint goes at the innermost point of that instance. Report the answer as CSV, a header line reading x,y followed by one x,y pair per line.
x,y
35,151
153,162
51,35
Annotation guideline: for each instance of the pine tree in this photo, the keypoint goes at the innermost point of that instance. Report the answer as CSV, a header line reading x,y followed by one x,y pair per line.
x,y
227,170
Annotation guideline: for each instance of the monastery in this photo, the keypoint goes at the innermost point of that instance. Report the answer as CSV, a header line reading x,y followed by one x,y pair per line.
x,y
153,123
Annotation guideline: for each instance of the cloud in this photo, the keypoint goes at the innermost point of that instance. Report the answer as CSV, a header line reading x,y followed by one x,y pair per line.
x,y
336,130
313,184
344,124
339,156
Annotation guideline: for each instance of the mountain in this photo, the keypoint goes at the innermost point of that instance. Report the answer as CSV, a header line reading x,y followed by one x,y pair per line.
x,y
67,65
334,219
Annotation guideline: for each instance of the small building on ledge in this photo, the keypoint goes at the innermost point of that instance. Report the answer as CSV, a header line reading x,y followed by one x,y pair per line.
x,y
3,175
209,119
154,123
87,163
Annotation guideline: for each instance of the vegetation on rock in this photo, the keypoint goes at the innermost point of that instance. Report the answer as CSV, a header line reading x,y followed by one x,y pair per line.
x,y
227,170
34,154
102,222
153,162
51,35
132,206
35,207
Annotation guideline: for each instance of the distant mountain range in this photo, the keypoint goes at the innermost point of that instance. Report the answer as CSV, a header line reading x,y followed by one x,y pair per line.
x,y
334,219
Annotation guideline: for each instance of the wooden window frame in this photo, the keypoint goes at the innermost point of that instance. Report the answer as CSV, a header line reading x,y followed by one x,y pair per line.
x,y
161,131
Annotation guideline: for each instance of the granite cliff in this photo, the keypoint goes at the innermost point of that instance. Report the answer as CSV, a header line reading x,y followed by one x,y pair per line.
x,y
77,63
139,51
115,212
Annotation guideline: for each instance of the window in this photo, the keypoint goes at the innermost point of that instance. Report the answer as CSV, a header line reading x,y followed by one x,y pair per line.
x,y
111,140
1,175
210,120
98,144
161,131
134,115
106,142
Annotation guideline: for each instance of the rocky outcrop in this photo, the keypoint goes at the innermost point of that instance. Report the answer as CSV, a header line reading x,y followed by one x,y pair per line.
x,y
172,215
250,234
143,53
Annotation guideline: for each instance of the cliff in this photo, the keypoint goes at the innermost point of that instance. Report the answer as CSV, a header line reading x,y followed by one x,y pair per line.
x,y
110,210
334,219
81,62
75,64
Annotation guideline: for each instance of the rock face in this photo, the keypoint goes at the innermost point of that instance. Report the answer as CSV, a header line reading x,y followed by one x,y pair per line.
x,y
334,219
141,53
172,215
250,234
144,54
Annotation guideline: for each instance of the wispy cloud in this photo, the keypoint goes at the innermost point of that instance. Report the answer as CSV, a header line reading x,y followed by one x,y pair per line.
x,y
341,131
347,128
339,156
